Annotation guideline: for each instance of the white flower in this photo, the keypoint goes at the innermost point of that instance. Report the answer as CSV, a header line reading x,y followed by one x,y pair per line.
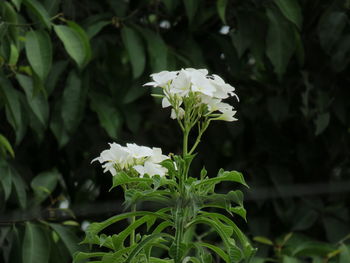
x,y
151,169
180,114
162,78
137,151
191,89
222,89
143,159
181,85
228,116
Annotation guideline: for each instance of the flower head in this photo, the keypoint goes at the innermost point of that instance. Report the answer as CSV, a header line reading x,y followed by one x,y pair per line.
x,y
196,89
142,159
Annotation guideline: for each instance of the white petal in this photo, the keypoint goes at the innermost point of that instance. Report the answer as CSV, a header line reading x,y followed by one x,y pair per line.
x,y
165,102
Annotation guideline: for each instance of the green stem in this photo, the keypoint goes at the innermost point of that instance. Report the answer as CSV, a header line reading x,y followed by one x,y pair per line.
x,y
185,142
205,126
132,235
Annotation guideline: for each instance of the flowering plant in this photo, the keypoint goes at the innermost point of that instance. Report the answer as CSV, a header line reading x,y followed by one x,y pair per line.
x,y
183,203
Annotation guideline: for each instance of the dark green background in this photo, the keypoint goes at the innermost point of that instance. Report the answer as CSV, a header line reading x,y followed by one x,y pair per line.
x,y
289,61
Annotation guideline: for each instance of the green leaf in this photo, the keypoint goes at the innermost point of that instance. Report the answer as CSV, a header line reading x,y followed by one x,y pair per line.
x,y
177,251
321,122
55,74
95,28
39,52
280,41
78,257
216,249
143,243
44,184
8,14
17,4
95,228
37,102
69,239
344,254
14,55
288,259
191,7
135,48
12,101
291,10
84,38
6,146
73,43
223,176
20,188
157,50
35,244
120,238
313,248
263,240
5,179
39,11
108,115
72,102
330,29
221,8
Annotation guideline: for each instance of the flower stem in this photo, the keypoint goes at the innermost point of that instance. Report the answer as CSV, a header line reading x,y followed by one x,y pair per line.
x,y
132,234
185,142
202,130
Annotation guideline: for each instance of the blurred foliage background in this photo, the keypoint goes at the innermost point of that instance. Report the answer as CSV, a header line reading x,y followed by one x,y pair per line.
x,y
71,75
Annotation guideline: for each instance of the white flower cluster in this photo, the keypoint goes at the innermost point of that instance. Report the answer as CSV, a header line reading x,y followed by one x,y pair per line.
x,y
206,89
141,158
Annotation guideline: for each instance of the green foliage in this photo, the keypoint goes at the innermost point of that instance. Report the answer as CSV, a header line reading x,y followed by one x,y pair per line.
x,y
289,61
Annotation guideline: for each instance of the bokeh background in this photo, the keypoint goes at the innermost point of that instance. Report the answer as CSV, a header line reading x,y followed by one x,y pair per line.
x,y
71,76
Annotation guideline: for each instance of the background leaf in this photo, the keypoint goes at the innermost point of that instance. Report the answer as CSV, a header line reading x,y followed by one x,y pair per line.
x,y
35,244
39,52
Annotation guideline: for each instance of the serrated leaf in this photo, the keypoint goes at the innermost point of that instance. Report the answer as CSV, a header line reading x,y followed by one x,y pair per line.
x,y
135,48
39,11
223,176
79,256
39,52
73,43
291,10
216,249
143,243
35,244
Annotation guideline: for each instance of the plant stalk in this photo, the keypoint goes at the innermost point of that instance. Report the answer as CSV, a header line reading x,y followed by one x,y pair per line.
x,y
132,235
